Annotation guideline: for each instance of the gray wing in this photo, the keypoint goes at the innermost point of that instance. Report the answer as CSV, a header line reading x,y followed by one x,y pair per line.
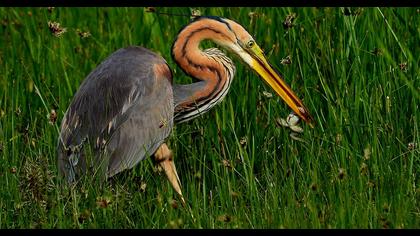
x,y
123,111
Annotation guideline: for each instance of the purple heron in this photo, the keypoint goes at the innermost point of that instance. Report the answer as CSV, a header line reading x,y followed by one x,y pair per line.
x,y
127,106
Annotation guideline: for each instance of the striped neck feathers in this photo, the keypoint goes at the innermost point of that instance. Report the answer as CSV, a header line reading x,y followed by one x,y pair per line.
x,y
211,67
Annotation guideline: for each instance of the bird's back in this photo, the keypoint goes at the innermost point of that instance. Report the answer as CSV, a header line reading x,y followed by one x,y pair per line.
x,y
123,111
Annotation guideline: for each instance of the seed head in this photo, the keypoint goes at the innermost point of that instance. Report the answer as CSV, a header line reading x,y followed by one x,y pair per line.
x,y
195,13
363,169
411,146
403,66
52,117
150,9
56,29
243,141
50,9
83,34
286,61
288,22
341,173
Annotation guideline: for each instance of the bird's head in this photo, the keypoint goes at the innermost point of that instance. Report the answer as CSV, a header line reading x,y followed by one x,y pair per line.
x,y
240,42
231,35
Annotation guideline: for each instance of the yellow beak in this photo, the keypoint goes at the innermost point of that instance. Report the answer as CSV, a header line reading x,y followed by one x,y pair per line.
x,y
275,80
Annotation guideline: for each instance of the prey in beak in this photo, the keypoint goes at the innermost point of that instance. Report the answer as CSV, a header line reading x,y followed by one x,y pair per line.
x,y
247,49
260,64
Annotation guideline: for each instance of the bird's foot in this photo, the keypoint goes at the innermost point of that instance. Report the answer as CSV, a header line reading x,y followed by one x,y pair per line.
x,y
163,156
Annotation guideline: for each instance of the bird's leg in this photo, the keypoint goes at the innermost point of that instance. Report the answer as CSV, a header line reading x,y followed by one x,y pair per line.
x,y
163,156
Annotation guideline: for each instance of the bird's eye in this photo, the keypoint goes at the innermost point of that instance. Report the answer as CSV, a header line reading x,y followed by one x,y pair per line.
x,y
250,44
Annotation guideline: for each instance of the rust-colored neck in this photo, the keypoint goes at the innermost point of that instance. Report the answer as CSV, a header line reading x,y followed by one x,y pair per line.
x,y
211,67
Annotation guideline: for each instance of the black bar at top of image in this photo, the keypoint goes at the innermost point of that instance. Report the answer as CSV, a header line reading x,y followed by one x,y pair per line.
x,y
208,3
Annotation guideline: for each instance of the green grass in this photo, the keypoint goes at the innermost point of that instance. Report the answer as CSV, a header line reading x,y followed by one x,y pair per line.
x,y
355,169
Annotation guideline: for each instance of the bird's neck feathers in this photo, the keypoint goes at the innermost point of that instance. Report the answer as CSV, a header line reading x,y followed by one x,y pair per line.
x,y
212,67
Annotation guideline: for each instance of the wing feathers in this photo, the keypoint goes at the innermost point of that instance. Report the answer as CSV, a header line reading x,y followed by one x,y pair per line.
x,y
118,108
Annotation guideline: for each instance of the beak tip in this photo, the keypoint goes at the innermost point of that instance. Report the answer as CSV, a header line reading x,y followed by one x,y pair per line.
x,y
306,116
312,124
310,120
